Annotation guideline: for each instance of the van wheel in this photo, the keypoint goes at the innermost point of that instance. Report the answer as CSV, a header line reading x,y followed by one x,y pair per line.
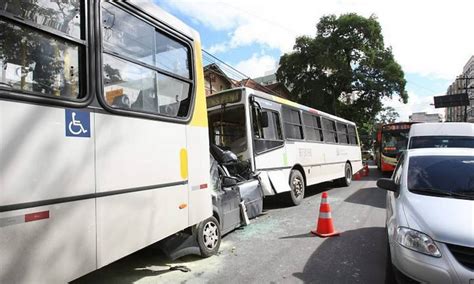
x,y
209,237
347,179
297,186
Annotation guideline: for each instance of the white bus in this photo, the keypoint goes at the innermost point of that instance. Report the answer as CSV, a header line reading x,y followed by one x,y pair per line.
x,y
104,144
292,146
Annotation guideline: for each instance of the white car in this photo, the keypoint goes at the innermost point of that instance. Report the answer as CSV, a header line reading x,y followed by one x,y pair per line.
x,y
430,216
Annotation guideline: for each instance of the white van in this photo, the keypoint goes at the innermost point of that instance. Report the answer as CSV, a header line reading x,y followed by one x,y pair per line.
x,y
441,135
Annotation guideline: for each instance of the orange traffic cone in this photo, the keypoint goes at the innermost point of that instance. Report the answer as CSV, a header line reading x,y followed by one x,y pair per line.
x,y
357,176
325,227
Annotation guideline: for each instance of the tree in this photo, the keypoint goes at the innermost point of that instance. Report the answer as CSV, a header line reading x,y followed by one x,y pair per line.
x,y
387,115
345,70
367,129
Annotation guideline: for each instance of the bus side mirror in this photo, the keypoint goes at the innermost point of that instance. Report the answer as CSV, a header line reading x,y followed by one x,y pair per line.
x,y
264,119
228,181
387,184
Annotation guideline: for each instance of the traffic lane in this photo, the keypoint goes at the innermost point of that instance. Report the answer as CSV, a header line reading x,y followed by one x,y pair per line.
x,y
281,249
277,246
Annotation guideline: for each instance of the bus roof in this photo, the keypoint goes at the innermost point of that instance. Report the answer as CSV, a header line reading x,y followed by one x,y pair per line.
x,y
164,17
442,129
293,104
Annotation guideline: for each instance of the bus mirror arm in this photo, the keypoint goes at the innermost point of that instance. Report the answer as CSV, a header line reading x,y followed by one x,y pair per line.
x,y
263,116
264,119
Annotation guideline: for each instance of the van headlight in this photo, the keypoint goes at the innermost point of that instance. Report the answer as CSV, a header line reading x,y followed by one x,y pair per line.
x,y
417,241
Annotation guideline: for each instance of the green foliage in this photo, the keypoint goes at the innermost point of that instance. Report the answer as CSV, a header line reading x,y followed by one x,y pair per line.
x,y
346,69
368,129
387,115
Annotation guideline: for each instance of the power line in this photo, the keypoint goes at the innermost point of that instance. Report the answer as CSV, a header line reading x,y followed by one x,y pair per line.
x,y
422,87
230,69
225,64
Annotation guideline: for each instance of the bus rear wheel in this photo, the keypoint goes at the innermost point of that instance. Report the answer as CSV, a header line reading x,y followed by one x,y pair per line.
x,y
297,187
209,237
347,179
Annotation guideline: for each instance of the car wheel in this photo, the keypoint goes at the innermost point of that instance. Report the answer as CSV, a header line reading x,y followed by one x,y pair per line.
x,y
297,187
209,237
347,179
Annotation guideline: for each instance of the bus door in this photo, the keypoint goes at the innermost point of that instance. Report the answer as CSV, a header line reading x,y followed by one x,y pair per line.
x,y
270,157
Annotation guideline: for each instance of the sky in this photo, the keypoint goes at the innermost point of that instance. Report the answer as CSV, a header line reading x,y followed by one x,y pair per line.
x,y
431,40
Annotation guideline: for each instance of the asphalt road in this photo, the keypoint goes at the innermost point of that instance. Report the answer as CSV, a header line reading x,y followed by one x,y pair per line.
x,y
277,247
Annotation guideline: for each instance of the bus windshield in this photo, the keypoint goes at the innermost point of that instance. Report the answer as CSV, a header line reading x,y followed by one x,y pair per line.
x,y
227,129
393,142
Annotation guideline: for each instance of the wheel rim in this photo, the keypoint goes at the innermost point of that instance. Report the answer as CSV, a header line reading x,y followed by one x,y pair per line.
x,y
210,235
348,174
298,187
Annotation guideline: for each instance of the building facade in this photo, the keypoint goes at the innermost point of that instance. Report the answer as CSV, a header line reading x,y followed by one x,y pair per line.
x,y
425,117
464,83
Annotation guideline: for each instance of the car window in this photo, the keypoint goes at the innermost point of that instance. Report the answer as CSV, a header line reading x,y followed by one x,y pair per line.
x,y
442,142
397,173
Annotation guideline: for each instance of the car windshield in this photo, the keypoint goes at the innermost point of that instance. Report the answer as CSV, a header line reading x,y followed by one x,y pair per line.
x,y
448,175
442,142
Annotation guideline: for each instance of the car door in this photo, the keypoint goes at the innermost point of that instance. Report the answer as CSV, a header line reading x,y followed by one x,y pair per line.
x,y
392,198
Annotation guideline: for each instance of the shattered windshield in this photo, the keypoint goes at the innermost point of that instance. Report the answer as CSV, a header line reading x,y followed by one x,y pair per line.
x,y
227,129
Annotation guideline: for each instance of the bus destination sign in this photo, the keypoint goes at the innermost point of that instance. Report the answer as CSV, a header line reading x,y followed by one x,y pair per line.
x,y
396,127
224,98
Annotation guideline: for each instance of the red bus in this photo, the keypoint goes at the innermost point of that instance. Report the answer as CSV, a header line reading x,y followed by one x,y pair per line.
x,y
391,139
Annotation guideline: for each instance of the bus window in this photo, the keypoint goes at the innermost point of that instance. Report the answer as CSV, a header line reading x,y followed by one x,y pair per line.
x,y
330,134
313,129
152,74
293,125
273,131
351,130
64,16
342,135
34,61
272,134
172,56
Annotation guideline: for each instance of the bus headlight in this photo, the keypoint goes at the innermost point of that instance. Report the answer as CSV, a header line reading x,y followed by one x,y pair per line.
x,y
417,241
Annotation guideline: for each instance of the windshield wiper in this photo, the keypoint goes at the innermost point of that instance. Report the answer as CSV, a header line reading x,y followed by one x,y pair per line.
x,y
438,192
6,84
467,193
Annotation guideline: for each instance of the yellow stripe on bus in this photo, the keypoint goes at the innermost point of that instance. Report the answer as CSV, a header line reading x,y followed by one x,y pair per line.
x,y
200,109
183,157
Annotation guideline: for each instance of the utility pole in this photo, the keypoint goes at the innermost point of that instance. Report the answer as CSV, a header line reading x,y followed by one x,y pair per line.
x,y
467,93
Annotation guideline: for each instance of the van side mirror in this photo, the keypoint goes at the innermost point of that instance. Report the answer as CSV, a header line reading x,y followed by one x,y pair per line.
x,y
264,119
387,184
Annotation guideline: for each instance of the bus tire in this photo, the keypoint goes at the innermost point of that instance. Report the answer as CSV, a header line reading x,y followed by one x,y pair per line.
x,y
209,237
297,186
347,179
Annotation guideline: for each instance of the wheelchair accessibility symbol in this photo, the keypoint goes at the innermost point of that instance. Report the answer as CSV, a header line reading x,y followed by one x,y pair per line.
x,y
77,123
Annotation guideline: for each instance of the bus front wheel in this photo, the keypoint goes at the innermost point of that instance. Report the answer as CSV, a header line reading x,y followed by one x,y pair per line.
x,y
209,237
297,187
